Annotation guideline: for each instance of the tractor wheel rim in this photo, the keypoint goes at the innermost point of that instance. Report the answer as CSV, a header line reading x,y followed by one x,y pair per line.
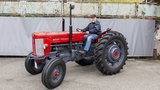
x,y
115,53
57,73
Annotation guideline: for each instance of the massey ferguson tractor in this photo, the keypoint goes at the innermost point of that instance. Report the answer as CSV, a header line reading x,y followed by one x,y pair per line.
x,y
52,50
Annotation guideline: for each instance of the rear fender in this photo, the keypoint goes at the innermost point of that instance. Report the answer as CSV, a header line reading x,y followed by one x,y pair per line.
x,y
100,35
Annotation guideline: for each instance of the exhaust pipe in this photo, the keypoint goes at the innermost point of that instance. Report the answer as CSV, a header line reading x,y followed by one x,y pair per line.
x,y
71,28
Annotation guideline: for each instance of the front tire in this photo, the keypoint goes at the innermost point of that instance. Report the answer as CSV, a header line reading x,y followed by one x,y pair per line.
x,y
111,53
32,66
53,73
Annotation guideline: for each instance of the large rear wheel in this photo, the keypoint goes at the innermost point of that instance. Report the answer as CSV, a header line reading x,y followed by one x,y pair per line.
x,y
111,53
32,66
53,73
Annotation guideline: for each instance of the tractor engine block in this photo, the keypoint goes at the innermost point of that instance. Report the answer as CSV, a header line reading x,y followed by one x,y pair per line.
x,y
64,47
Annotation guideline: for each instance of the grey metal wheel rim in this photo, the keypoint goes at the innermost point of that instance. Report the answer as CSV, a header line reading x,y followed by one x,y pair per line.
x,y
59,71
114,54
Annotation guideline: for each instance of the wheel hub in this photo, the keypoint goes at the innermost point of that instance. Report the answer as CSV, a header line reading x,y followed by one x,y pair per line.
x,y
56,73
114,53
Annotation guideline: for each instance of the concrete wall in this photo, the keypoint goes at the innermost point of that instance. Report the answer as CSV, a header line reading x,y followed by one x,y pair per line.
x,y
82,9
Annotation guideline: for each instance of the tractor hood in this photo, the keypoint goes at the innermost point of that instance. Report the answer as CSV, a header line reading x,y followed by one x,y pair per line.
x,y
41,39
59,36
56,34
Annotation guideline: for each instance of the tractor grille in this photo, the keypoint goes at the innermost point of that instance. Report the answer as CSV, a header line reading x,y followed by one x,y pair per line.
x,y
39,47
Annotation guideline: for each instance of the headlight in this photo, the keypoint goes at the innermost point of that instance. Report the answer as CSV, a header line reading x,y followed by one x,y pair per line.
x,y
45,46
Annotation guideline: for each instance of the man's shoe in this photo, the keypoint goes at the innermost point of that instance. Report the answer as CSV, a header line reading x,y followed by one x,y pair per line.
x,y
82,52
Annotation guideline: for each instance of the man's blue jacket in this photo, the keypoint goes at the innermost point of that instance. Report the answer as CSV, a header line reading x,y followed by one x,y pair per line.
x,y
93,28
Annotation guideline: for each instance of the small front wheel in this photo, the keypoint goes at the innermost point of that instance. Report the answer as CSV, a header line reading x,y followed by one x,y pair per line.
x,y
32,66
53,73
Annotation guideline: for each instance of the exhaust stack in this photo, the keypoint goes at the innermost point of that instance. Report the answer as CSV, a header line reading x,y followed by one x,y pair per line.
x,y
71,28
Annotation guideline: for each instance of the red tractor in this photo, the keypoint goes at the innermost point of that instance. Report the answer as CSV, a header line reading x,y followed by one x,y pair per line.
x,y
51,51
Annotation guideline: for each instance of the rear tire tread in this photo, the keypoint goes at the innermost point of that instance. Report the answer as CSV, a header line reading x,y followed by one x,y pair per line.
x,y
99,51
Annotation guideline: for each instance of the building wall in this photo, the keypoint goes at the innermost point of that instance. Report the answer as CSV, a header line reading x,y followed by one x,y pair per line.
x,y
124,10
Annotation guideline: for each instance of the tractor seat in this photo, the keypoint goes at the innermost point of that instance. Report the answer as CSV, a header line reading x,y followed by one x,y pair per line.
x,y
96,40
100,35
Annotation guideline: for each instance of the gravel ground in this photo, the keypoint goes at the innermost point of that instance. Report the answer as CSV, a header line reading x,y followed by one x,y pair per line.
x,y
136,75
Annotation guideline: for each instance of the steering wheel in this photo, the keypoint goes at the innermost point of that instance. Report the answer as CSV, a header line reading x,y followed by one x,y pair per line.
x,y
78,30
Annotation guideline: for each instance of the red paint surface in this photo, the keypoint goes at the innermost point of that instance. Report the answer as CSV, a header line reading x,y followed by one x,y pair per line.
x,y
54,38
116,54
56,73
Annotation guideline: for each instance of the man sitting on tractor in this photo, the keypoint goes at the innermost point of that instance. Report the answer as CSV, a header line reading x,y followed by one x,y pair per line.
x,y
94,29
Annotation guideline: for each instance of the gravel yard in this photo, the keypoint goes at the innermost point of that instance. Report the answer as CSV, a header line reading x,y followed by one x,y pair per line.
x,y
136,75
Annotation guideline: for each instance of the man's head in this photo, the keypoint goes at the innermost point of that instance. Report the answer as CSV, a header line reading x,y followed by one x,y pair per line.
x,y
93,18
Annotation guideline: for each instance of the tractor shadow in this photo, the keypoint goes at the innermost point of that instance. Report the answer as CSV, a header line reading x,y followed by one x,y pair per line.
x,y
73,68
80,76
